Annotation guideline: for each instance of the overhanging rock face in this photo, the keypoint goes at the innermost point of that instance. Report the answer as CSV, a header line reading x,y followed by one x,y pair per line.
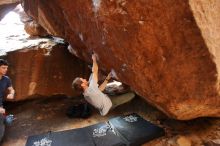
x,y
155,46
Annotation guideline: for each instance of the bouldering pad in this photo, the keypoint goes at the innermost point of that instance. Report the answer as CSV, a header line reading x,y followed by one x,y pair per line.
x,y
128,130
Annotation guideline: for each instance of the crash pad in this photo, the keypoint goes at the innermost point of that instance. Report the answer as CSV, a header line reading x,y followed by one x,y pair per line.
x,y
135,130
127,130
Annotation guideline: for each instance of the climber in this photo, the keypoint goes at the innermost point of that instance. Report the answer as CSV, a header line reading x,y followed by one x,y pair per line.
x,y
93,92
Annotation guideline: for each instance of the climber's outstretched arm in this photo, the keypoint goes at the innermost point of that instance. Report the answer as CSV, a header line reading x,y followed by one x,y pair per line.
x,y
95,68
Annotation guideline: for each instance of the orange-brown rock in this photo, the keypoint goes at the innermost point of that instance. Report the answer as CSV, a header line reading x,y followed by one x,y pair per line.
x,y
34,29
44,71
161,48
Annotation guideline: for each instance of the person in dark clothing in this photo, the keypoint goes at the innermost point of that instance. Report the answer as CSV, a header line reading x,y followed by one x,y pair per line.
x,y
5,85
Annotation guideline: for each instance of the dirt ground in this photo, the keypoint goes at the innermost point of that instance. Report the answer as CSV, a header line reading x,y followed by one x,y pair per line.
x,y
49,114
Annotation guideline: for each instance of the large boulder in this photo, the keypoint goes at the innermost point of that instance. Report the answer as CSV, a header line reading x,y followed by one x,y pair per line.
x,y
160,48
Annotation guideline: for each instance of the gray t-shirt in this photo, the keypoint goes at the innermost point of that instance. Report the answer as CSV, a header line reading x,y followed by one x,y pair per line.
x,y
96,98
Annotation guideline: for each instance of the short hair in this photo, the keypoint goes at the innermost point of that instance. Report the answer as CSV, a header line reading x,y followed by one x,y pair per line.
x,y
3,62
76,85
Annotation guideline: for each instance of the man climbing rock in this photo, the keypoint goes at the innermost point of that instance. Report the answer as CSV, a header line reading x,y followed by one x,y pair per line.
x,y
93,92
5,84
